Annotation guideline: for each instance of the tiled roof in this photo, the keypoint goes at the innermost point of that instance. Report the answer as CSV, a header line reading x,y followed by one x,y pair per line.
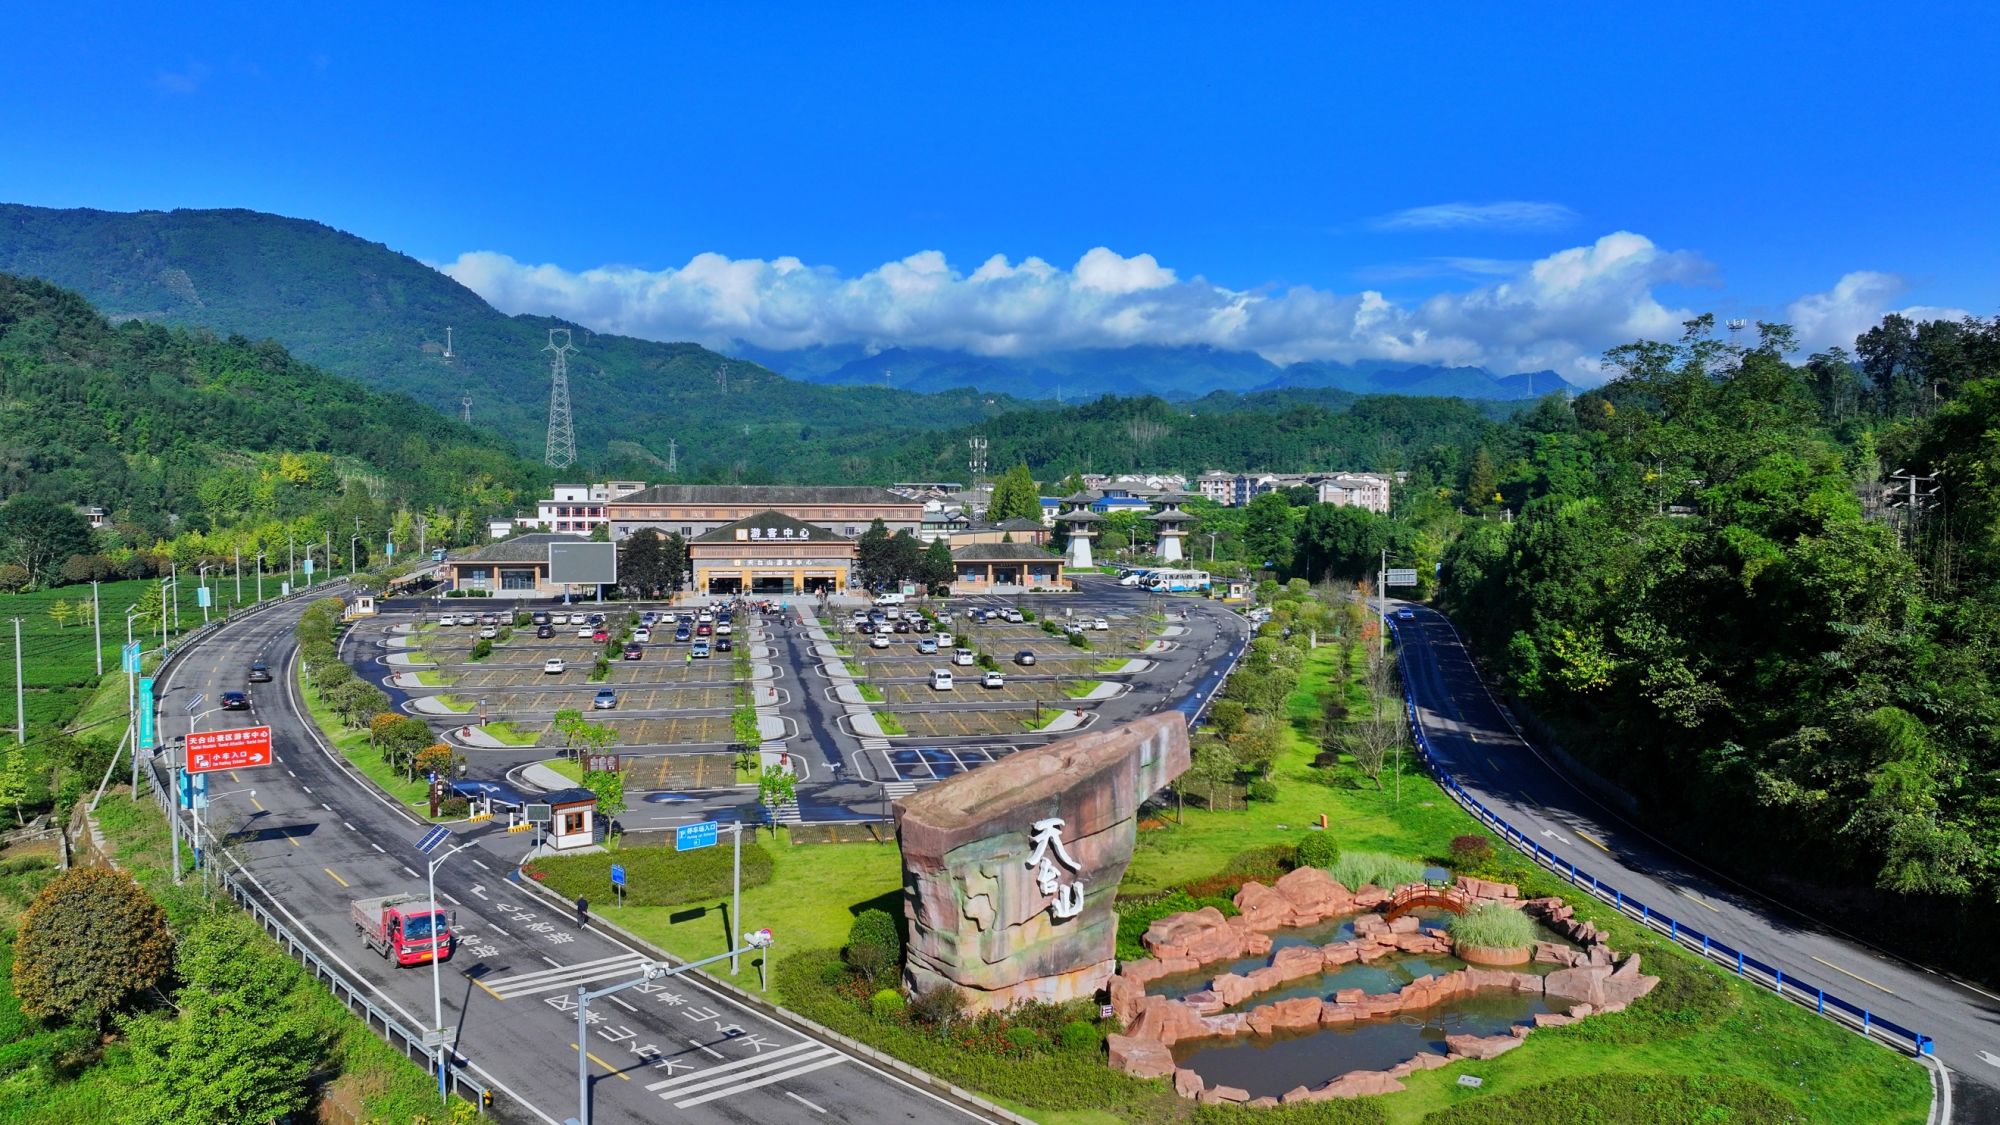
x,y
765,527
1003,552
520,549
771,495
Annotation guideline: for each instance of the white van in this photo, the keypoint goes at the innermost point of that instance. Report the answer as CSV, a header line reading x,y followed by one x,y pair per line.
x,y
961,656
889,599
941,679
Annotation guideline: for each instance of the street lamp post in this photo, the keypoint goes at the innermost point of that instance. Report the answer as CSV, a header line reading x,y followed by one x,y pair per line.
x,y
260,578
132,702
437,985
201,590
239,575
97,623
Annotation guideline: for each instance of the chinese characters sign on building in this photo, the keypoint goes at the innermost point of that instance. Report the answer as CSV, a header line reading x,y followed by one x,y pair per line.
x,y
1067,900
235,749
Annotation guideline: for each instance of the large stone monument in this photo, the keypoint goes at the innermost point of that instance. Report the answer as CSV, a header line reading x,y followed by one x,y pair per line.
x,y
1009,871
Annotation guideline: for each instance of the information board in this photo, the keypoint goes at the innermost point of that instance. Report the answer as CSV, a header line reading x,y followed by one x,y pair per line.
x,y
234,749
688,837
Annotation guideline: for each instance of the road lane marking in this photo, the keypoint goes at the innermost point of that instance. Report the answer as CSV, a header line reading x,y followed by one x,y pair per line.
x,y
622,1004
407,871
326,806
376,846
563,977
307,788
808,1068
482,984
1855,975
336,878
552,961
350,825
710,1050
1690,895
600,1062
1594,841
696,1076
817,1109
496,929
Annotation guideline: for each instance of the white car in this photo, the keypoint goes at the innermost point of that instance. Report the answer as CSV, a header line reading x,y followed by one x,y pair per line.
x,y
1014,616
945,640
704,617
488,632
723,628
1100,625
993,679
878,641
558,618
941,679
583,631
447,619
944,618
892,613
643,635
554,666
961,656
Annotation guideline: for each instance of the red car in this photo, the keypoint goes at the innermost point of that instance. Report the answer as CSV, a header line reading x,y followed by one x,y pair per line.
x,y
600,636
703,629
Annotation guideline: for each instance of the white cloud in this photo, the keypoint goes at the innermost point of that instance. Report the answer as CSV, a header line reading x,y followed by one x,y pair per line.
x,y
1856,303
1507,213
1561,311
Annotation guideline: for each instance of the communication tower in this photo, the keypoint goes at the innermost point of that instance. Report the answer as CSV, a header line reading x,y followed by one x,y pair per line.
x,y
673,457
977,462
562,436
447,344
465,410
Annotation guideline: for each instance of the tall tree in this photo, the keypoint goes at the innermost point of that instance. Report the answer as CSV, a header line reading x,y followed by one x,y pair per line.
x,y
938,570
643,566
1014,496
39,534
1482,480
1268,531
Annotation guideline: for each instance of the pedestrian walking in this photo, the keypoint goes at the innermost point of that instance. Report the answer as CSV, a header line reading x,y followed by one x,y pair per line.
x,y
582,912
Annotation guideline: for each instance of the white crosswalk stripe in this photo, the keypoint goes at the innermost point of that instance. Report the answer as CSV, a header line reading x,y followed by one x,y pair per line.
x,y
787,813
746,1074
565,977
875,744
899,788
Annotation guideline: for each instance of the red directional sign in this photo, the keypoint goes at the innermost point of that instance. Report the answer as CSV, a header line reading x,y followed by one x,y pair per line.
x,y
239,748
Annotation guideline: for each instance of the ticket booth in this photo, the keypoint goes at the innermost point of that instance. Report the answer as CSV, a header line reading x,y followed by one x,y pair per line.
x,y
360,605
572,819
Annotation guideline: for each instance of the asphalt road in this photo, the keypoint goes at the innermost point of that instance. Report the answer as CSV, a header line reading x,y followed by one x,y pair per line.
x,y
314,836
1479,743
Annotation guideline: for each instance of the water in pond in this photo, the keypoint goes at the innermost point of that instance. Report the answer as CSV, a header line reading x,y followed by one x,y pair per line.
x,y
1272,1065
1324,933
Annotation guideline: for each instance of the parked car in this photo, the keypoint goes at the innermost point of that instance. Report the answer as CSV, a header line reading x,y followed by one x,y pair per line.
x,y
902,627
992,679
704,630
724,628
235,701
597,619
558,618
539,617
643,635
544,632
921,625
724,644
879,640
927,647
488,632
1015,616
634,651
1100,624
604,700
554,666
447,620
941,679
703,617
892,613
584,631
1073,629
260,673
962,656
946,640
700,650
599,635
683,633
944,618
1024,657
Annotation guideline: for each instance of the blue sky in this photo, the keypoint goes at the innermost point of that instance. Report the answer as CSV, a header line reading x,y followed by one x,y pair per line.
x,y
1507,184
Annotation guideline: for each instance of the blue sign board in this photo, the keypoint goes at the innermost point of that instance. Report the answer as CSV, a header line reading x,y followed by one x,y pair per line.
x,y
691,836
309,566
128,659
617,874
146,713
201,597
389,549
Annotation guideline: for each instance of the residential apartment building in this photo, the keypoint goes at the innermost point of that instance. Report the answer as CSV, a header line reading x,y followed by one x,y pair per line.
x,y
578,508
1354,490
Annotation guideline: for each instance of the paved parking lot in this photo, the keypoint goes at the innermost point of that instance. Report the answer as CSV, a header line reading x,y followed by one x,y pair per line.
x,y
482,677
630,698
653,732
935,764
968,690
958,724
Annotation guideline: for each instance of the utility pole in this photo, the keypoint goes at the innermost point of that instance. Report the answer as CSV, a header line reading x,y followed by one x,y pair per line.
x,y
97,624
291,559
329,548
20,692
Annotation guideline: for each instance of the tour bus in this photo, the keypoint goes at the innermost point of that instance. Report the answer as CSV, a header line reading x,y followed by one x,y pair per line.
x,y
1176,581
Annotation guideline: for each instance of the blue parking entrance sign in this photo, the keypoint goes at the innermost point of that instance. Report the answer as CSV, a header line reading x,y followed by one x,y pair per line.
x,y
691,836
617,874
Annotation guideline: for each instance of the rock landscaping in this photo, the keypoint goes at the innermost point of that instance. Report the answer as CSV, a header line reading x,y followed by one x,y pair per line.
x,y
1592,978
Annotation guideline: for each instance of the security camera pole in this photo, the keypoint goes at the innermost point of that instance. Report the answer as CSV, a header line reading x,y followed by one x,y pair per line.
x,y
651,971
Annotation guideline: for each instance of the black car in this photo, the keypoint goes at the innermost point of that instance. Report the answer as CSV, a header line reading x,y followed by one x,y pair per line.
x,y
902,626
260,673
235,701
722,644
545,631
865,627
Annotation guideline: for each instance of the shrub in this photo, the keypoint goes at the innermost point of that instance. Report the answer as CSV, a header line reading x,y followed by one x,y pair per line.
x,y
1026,1038
869,959
1079,1035
483,649
938,1005
1318,849
1355,869
1493,925
879,928
1262,789
1471,852
833,974
887,1005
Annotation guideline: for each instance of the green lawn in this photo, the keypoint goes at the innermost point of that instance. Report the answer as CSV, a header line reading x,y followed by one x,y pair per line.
x,y
1111,665
890,724
870,692
454,703
1077,689
430,677
570,768
354,746
506,733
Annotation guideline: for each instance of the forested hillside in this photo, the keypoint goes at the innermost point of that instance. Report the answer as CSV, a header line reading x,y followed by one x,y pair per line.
x,y
1706,596
178,430
364,311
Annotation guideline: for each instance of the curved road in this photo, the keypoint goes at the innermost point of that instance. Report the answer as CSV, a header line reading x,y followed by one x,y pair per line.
x,y
1479,743
314,835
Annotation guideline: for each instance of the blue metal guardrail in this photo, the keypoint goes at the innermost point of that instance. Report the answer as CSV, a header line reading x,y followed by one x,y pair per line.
x,y
1822,1002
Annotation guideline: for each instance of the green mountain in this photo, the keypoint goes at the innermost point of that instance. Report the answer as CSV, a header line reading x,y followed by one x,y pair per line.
x,y
362,310
178,429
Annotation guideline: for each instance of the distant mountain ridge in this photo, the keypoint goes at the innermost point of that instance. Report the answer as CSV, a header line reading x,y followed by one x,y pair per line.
x,y
1175,373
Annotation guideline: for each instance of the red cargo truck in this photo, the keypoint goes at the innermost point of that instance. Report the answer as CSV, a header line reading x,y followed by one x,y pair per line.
x,y
405,927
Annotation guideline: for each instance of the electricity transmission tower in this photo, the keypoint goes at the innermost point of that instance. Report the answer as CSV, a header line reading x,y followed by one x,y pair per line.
x,y
562,436
465,410
722,378
673,457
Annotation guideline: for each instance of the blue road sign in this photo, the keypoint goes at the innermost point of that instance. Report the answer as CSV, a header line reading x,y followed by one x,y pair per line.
x,y
617,874
146,713
309,567
201,597
688,837
389,549
437,835
128,658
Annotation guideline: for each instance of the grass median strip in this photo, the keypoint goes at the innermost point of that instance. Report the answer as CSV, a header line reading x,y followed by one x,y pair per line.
x,y
354,745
